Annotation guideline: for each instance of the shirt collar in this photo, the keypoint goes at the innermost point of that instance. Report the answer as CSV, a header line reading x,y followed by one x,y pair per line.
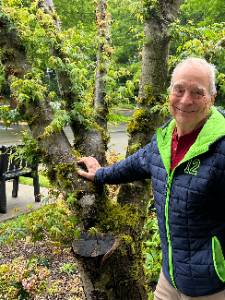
x,y
187,137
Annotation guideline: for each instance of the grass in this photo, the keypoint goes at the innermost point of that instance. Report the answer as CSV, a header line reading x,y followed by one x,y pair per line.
x,y
125,106
118,118
43,180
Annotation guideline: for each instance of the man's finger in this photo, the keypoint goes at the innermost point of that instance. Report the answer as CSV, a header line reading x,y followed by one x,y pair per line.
x,y
85,175
82,173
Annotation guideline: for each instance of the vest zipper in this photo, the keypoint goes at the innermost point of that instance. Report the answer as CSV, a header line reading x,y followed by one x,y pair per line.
x,y
170,255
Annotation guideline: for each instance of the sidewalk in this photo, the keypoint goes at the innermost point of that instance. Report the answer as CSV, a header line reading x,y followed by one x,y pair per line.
x,y
23,203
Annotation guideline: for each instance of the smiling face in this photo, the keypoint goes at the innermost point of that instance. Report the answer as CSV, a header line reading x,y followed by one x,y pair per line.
x,y
190,98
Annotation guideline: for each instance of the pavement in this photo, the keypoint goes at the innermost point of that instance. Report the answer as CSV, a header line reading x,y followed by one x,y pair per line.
x,y
24,203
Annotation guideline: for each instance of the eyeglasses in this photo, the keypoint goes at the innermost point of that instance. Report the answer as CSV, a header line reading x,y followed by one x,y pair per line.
x,y
196,93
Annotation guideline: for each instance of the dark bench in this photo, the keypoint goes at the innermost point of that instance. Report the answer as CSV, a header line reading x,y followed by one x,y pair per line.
x,y
11,167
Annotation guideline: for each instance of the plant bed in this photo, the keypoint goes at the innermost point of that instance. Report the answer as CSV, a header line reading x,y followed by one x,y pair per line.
x,y
38,271
36,261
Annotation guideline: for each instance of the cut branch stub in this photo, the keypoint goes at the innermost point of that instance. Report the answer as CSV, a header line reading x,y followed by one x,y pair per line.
x,y
93,246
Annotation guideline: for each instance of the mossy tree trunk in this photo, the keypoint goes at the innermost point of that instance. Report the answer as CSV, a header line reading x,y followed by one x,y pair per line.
x,y
103,53
158,16
109,250
93,141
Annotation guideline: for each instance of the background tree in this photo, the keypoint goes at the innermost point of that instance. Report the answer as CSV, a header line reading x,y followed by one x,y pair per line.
x,y
80,14
202,12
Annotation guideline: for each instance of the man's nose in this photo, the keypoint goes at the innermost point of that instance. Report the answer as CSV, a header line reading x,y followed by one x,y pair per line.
x,y
187,97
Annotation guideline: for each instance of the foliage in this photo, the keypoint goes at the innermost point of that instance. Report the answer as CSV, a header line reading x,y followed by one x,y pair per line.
x,y
54,222
152,250
38,273
29,151
126,39
126,30
122,84
83,113
202,12
9,115
190,40
22,279
61,119
2,76
68,268
77,13
29,275
29,89
50,53
150,296
198,33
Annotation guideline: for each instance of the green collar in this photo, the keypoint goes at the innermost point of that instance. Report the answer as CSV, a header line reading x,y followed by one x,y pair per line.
x,y
213,129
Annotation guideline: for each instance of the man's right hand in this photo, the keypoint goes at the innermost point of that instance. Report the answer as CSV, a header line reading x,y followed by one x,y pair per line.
x,y
92,166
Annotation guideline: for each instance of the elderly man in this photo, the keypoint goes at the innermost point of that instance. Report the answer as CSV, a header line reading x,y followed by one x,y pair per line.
x,y
186,162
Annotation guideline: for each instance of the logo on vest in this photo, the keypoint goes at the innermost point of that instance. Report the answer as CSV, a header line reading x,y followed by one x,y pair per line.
x,y
192,167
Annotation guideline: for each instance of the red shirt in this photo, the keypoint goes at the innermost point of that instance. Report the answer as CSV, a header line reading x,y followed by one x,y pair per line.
x,y
181,145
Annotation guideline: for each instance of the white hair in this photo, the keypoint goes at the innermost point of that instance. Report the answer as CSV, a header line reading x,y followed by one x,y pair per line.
x,y
211,69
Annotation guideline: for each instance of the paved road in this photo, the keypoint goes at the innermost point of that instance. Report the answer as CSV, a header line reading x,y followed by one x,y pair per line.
x,y
118,136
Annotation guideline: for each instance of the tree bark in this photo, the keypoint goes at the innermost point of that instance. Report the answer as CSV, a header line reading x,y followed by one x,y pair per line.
x,y
93,141
101,108
158,16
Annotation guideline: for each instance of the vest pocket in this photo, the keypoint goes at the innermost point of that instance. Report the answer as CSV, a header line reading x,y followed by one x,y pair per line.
x,y
218,258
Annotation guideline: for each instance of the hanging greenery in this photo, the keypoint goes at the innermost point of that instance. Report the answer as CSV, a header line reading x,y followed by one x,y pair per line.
x,y
49,52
